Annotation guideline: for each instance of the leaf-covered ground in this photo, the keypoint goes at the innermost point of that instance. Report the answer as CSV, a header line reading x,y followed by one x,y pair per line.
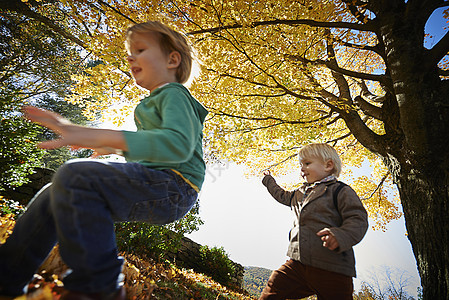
x,y
144,278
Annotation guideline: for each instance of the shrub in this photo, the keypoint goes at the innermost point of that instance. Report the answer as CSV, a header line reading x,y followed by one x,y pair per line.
x,y
10,207
145,239
156,241
216,263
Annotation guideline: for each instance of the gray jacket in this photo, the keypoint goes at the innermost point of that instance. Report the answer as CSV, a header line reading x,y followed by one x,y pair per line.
x,y
318,212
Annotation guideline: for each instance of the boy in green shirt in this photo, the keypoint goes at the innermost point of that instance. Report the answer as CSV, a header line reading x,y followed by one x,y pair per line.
x,y
158,184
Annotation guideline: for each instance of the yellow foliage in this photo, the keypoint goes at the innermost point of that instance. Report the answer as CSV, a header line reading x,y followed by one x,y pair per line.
x,y
6,225
381,206
265,78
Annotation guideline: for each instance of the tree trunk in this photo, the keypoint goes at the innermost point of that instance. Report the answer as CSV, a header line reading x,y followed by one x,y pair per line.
x,y
428,231
425,198
417,156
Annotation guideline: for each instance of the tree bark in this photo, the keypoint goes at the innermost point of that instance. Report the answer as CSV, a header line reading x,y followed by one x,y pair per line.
x,y
419,159
425,199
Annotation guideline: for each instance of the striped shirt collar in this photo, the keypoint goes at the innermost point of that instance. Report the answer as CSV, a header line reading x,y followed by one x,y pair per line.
x,y
325,179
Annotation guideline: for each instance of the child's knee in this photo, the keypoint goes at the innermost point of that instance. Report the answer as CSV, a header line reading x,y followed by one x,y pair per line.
x,y
70,171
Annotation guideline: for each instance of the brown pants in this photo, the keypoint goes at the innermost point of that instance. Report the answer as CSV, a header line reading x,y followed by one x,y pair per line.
x,y
293,280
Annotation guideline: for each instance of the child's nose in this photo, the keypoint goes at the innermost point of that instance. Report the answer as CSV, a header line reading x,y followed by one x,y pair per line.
x,y
130,58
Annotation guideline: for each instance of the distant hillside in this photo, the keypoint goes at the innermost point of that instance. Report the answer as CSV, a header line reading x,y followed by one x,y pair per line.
x,y
255,279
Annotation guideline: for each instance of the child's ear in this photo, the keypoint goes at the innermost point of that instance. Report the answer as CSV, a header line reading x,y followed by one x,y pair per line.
x,y
329,166
174,60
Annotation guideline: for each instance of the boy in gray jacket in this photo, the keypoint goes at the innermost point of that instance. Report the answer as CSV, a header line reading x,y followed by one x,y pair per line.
x,y
329,219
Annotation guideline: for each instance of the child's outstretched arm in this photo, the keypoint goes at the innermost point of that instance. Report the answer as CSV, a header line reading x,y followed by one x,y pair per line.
x,y
103,141
278,193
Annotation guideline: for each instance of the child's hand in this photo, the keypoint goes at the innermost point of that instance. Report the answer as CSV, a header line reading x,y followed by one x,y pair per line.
x,y
52,121
103,141
266,172
329,240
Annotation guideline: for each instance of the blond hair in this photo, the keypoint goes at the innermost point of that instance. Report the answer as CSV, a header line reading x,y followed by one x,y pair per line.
x,y
169,40
324,152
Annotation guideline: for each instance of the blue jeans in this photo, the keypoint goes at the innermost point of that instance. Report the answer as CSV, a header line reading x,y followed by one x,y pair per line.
x,y
78,210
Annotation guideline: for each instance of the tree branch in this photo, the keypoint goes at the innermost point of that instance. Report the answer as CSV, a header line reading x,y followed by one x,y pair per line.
x,y
235,43
345,108
22,8
282,161
282,121
116,11
420,10
368,108
332,64
368,138
358,128
353,7
443,72
439,51
312,23
335,140
277,86
374,77
367,95
376,49
381,183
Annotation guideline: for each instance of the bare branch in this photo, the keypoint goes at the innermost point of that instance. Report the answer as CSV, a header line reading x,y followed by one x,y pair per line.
x,y
235,43
367,95
369,139
379,186
443,72
277,86
258,95
22,8
297,122
281,162
374,77
342,83
420,11
439,51
116,11
312,23
339,138
354,6
376,49
368,108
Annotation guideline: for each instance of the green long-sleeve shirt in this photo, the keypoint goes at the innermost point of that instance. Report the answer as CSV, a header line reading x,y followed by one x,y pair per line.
x,y
169,133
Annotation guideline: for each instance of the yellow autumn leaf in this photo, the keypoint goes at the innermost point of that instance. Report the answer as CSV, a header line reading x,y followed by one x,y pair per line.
x,y
6,225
